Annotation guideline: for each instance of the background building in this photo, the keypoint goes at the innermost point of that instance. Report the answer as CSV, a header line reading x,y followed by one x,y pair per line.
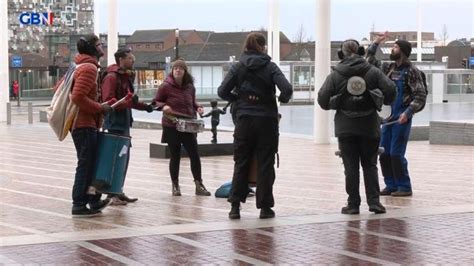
x,y
39,53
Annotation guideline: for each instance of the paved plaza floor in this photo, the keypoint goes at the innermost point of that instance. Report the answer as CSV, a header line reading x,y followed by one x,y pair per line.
x,y
434,226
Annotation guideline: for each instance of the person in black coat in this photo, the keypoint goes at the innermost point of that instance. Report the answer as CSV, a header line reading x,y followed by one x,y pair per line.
x,y
356,90
250,86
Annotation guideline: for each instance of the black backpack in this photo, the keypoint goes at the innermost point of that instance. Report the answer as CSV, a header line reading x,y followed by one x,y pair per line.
x,y
260,86
102,74
423,78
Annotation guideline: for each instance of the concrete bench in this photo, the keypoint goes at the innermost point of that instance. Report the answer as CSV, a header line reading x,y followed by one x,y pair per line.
x,y
452,132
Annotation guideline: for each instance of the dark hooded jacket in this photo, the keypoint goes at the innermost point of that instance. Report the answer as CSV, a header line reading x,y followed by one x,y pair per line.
x,y
255,75
356,118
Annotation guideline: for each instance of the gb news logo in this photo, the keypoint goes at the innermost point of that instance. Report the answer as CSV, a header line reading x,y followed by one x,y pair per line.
x,y
36,18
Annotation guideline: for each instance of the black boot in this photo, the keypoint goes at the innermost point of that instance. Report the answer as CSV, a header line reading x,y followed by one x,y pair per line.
x,y
266,212
350,210
235,211
377,208
175,190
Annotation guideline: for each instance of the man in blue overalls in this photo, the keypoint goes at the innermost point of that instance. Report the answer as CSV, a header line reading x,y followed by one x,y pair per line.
x,y
411,98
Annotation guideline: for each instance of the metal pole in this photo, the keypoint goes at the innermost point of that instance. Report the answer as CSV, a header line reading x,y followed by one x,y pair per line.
x,y
322,68
112,35
4,70
30,113
276,32
96,18
418,35
270,28
9,113
176,35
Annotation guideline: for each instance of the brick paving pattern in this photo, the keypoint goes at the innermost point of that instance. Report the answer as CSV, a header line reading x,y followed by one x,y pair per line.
x,y
435,226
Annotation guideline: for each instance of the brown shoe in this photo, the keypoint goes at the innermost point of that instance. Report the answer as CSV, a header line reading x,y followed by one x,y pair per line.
x,y
201,190
401,193
116,201
386,192
124,197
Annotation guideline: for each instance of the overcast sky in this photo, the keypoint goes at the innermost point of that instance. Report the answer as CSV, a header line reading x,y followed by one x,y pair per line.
x,y
349,18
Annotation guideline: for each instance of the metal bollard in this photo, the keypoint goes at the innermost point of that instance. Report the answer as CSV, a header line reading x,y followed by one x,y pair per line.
x,y
9,113
30,113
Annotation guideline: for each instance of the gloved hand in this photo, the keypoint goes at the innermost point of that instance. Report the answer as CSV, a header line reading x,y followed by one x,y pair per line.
x,y
135,99
129,96
149,108
106,108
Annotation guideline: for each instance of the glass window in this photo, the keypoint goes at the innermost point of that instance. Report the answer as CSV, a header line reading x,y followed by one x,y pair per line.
x,y
302,77
216,78
196,72
454,84
206,80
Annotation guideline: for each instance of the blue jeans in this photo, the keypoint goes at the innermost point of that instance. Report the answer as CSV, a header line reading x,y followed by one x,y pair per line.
x,y
85,141
393,162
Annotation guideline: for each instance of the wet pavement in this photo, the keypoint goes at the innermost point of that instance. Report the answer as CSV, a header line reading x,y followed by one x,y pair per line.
x,y
434,226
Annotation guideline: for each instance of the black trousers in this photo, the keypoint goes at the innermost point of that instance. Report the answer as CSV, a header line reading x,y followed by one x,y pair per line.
x,y
355,149
175,140
85,141
259,136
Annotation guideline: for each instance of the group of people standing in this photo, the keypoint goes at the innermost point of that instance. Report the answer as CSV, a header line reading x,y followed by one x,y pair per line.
x,y
250,86
116,82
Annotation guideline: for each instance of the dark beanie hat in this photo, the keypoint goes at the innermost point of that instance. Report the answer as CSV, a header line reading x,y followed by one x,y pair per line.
x,y
180,63
405,46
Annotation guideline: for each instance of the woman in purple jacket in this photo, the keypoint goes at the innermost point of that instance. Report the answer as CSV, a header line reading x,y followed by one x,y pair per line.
x,y
177,97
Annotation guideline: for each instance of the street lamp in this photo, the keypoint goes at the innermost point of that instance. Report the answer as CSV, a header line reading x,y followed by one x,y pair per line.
x,y
176,34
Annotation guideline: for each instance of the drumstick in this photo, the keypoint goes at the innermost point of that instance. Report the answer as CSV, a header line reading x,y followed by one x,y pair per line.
x,y
175,113
180,114
119,101
390,123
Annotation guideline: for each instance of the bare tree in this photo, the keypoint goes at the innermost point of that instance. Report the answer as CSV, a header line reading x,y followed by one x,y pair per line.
x,y
444,34
300,41
300,35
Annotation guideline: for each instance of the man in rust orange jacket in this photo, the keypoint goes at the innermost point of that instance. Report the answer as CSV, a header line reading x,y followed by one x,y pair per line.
x,y
89,118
